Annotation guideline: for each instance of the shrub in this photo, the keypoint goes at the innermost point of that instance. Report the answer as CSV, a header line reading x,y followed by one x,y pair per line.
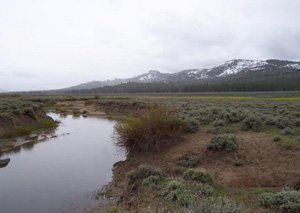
x,y
152,131
142,172
48,123
176,191
223,142
277,138
188,160
96,96
271,121
252,123
297,122
279,199
290,207
237,163
267,199
218,123
179,170
204,189
198,175
76,111
29,111
287,131
215,205
282,123
151,180
191,125
61,110
233,117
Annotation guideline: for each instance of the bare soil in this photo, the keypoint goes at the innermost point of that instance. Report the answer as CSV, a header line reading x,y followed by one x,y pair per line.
x,y
85,109
272,166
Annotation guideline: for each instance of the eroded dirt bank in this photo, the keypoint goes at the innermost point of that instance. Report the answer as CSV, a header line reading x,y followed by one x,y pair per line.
x,y
271,166
117,106
9,121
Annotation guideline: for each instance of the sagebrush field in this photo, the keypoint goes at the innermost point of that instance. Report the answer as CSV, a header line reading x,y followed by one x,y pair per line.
x,y
237,152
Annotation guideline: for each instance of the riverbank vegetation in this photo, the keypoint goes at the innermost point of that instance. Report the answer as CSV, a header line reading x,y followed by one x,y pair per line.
x,y
45,124
153,130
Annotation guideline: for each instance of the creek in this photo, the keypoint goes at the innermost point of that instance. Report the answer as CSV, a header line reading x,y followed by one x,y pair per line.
x,y
63,173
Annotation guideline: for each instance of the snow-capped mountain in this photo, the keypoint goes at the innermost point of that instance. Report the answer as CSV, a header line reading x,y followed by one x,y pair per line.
x,y
235,66
236,69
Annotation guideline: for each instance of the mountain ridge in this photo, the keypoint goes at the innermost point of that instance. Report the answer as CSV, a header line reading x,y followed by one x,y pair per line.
x,y
232,70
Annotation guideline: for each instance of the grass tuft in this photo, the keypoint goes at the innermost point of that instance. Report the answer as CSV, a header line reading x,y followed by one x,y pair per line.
x,y
152,131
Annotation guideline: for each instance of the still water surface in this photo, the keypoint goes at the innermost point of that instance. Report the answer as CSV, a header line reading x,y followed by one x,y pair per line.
x,y
62,173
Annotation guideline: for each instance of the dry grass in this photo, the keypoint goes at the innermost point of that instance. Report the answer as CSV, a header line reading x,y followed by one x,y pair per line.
x,y
152,131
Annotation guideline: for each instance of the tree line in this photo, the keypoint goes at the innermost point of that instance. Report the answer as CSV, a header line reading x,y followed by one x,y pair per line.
x,y
274,83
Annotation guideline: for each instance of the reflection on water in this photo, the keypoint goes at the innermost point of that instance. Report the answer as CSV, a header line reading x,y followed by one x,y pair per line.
x,y
62,173
63,115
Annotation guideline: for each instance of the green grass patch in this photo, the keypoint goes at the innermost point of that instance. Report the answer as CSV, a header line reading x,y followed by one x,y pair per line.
x,y
49,106
219,190
120,116
285,140
47,123
261,190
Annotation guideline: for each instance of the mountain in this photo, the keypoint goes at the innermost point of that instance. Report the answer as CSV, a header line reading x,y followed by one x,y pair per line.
x,y
233,70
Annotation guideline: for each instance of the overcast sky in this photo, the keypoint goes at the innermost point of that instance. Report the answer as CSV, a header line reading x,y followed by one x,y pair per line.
x,y
48,44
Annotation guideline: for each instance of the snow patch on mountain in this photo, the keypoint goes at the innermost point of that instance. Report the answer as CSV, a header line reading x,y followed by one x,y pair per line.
x,y
235,66
153,75
198,74
293,66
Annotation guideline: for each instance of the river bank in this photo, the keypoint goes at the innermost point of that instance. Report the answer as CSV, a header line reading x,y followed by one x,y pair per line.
x,y
258,165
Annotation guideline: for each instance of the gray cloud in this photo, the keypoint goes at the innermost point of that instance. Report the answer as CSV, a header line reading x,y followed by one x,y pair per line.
x,y
54,44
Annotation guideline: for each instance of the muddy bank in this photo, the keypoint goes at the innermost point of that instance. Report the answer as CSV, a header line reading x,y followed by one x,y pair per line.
x,y
9,121
79,108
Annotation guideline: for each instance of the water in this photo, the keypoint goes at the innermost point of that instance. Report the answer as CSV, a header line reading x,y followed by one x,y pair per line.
x,y
62,173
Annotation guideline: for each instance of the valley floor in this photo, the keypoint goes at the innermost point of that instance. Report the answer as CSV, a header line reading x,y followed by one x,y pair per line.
x,y
260,164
